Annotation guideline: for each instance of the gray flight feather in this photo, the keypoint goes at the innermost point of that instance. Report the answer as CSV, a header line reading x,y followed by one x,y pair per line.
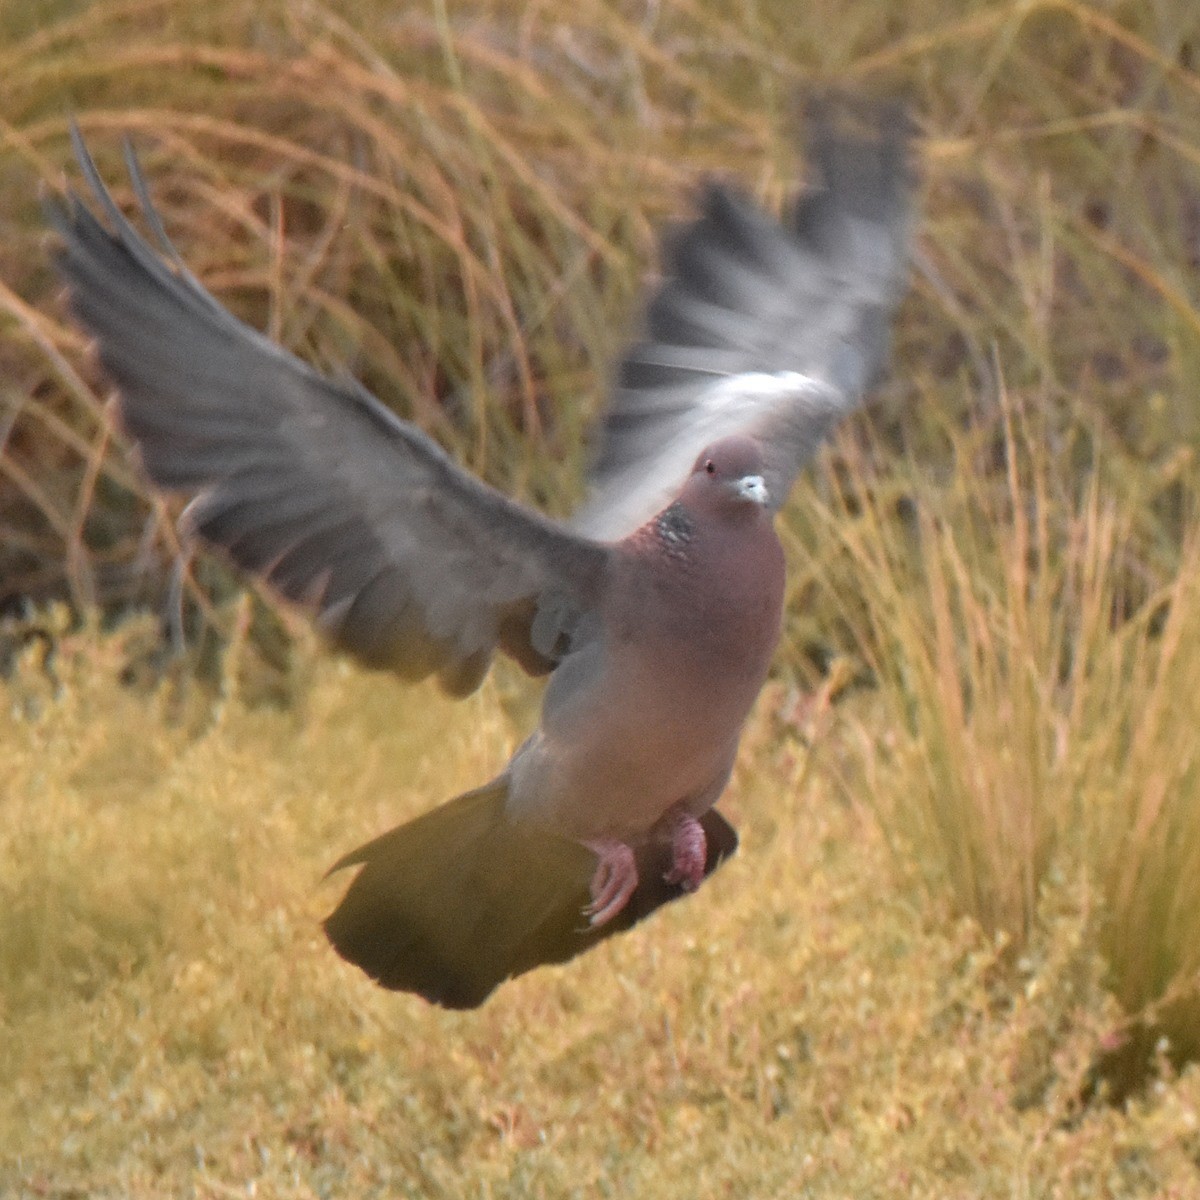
x,y
408,561
763,329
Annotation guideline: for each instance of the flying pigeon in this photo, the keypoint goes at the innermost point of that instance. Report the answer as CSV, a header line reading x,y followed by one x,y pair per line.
x,y
654,611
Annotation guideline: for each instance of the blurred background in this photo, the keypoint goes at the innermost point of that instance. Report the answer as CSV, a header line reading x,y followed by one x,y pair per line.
x,y
963,938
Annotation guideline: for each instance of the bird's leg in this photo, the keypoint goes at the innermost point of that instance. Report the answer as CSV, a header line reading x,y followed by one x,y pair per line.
x,y
614,880
689,847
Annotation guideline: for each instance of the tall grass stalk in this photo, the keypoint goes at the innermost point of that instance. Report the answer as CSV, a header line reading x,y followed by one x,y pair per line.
x,y
1040,702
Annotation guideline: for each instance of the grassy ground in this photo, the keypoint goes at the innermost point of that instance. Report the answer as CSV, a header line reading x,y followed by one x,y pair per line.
x,y
175,1024
967,912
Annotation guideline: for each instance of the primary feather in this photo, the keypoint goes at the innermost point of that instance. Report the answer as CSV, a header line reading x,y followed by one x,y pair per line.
x,y
759,328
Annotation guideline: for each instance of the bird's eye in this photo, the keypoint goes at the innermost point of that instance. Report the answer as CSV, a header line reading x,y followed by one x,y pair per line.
x,y
710,467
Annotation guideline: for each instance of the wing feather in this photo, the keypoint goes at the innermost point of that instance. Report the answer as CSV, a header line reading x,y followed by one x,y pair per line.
x,y
761,328
408,561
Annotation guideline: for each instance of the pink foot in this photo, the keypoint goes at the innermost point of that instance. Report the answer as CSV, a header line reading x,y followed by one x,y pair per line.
x,y
689,849
613,882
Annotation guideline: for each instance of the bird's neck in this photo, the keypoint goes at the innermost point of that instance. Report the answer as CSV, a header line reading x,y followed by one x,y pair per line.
x,y
727,561
672,531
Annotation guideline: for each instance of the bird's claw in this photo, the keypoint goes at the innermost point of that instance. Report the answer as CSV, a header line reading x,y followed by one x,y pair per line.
x,y
689,851
613,882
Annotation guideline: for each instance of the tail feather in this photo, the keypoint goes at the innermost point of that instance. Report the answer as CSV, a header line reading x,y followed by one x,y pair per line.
x,y
460,899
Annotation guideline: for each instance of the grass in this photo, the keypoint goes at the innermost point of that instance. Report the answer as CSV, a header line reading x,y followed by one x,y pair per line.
x,y
175,1024
966,910
1030,688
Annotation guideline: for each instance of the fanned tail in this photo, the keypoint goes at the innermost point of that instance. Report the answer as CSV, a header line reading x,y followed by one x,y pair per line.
x,y
460,899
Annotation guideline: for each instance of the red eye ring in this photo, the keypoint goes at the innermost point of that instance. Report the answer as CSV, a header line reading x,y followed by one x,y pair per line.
x,y
710,467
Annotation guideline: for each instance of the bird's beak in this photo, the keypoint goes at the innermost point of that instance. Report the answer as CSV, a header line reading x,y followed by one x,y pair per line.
x,y
751,487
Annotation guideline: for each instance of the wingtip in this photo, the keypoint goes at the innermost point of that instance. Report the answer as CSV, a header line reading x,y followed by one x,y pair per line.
x,y
56,205
847,113
61,204
861,146
87,164
76,135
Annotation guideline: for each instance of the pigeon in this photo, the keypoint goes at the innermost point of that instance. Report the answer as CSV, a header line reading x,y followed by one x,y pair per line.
x,y
654,610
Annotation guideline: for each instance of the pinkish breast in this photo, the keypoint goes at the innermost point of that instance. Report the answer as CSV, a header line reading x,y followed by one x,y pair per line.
x,y
687,643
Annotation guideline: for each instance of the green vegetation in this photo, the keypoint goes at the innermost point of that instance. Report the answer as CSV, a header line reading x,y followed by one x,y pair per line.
x,y
957,955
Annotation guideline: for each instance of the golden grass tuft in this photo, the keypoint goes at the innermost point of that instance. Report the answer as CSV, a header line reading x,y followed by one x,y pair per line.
x,y
178,1025
1029,719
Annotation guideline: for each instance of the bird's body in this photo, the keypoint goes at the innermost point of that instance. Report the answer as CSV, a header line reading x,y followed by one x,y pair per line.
x,y
637,739
655,612
648,715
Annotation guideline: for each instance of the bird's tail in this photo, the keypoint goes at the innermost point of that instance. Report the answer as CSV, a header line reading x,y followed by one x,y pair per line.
x,y
461,898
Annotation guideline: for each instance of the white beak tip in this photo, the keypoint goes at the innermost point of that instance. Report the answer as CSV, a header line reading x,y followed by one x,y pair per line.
x,y
752,487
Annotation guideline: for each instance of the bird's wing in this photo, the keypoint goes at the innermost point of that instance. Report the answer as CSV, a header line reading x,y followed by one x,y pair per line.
x,y
760,328
407,561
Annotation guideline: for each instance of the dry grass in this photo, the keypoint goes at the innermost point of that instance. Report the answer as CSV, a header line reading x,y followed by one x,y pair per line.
x,y
1030,720
455,202
968,900
175,1024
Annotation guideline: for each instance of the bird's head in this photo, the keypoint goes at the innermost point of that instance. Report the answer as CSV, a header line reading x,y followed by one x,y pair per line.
x,y
727,478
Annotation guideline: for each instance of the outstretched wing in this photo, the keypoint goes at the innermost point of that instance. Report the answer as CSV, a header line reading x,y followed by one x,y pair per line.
x,y
763,329
407,561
